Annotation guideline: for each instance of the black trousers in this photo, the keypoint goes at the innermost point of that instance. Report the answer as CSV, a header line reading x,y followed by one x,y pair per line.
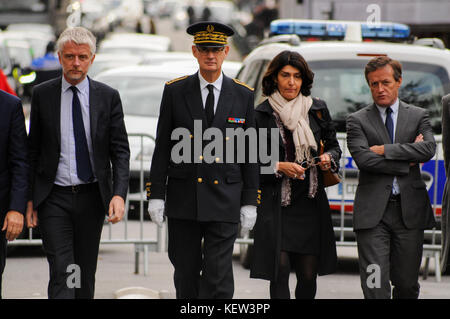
x,y
71,223
390,253
2,254
202,270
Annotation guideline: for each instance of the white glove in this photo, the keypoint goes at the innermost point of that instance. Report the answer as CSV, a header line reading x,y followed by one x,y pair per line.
x,y
248,219
156,211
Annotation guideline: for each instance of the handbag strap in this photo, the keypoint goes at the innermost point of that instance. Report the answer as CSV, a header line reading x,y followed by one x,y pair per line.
x,y
319,115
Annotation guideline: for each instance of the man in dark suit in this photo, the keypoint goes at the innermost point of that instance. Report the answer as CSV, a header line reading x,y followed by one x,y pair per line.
x,y
79,157
445,218
204,198
13,172
388,140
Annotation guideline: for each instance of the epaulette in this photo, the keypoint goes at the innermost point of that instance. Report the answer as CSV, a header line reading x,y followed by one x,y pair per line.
x,y
177,79
243,84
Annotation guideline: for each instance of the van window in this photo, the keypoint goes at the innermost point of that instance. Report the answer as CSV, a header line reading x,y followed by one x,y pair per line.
x,y
254,77
341,83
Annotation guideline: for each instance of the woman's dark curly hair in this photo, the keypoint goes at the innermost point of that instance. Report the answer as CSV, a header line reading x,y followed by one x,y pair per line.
x,y
269,84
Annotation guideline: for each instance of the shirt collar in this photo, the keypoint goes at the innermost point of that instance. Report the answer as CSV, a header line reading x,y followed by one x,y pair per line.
x,y
394,107
82,86
217,84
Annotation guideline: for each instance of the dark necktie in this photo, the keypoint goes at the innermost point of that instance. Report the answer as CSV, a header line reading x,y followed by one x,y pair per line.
x,y
84,169
390,124
209,107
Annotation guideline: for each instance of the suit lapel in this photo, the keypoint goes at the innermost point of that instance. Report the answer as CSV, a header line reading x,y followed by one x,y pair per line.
x,y
225,103
193,100
374,118
94,100
402,121
56,109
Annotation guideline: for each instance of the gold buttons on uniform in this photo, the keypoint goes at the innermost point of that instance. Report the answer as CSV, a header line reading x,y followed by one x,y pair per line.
x,y
191,136
217,159
199,180
147,188
227,138
201,157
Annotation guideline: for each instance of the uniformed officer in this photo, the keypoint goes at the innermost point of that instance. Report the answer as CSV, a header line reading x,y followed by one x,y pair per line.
x,y
203,200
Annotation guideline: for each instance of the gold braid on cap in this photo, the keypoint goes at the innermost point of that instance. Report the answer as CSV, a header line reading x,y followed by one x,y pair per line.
x,y
210,36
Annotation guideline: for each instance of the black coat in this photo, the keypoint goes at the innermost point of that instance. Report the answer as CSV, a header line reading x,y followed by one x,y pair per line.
x,y
267,231
13,156
108,133
195,189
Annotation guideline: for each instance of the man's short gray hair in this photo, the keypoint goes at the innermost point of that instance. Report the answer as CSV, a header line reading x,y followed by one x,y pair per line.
x,y
79,35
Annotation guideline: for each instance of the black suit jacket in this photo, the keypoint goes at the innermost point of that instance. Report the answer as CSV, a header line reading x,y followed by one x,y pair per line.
x,y
13,156
108,133
202,191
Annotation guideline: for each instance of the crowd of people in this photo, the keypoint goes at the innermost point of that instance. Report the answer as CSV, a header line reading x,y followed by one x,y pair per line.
x,y
73,169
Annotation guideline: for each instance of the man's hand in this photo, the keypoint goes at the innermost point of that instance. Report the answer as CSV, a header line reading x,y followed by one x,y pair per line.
x,y
13,224
31,215
116,209
419,138
156,211
248,219
378,149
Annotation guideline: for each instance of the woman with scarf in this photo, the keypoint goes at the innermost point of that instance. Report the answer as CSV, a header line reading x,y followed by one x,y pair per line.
x,y
293,230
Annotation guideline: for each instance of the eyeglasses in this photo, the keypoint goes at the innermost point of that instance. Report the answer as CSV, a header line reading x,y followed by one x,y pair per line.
x,y
207,50
311,162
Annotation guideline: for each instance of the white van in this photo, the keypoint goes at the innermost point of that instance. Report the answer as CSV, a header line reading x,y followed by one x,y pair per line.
x,y
338,66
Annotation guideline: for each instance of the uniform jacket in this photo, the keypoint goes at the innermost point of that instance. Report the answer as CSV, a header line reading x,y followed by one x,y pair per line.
x,y
376,173
267,229
446,196
109,140
202,191
13,156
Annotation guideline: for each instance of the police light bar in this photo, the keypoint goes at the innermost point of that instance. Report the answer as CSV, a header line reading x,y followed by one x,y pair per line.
x,y
337,29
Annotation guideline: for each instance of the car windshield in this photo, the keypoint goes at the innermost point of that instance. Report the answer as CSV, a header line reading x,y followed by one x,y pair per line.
x,y
140,96
343,86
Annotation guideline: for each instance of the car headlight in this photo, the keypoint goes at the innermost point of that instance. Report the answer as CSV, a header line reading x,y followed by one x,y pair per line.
x,y
27,78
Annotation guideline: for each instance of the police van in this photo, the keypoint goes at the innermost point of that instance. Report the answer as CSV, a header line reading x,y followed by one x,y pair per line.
x,y
337,52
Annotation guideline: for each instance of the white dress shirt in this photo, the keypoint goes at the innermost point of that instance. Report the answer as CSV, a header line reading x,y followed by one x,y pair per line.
x,y
66,174
204,90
